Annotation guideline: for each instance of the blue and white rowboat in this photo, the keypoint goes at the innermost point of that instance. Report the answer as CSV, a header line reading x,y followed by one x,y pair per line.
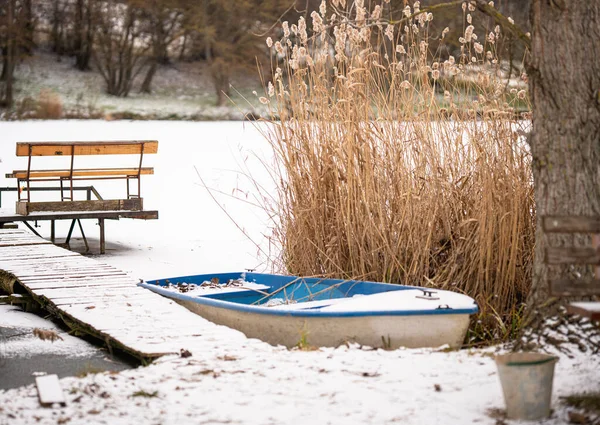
x,y
283,310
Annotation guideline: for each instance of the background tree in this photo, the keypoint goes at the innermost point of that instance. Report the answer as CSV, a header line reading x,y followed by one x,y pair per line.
x,y
163,18
15,38
83,33
229,32
121,46
58,21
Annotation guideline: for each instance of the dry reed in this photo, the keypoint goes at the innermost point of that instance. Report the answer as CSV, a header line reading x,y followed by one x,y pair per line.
x,y
398,165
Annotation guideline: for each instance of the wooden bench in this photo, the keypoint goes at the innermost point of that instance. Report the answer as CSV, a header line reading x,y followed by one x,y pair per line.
x,y
67,176
576,255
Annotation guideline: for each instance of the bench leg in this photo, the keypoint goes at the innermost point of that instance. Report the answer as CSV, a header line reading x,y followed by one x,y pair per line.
x,y
102,242
52,230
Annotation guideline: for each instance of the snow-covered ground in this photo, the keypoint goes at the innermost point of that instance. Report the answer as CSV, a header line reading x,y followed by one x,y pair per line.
x,y
229,378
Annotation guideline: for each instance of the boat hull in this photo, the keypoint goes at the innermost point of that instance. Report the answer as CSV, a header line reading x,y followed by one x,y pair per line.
x,y
385,331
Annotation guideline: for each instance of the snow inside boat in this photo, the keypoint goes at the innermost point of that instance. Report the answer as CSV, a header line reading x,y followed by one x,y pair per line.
x,y
283,310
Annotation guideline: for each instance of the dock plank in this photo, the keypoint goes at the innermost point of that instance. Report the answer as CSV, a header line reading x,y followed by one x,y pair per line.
x,y
99,298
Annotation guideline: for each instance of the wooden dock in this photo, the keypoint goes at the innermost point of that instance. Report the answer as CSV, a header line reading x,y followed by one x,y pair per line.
x,y
96,299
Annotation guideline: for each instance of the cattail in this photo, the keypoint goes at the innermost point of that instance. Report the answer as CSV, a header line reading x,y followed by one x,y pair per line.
x,y
435,74
317,22
406,11
302,30
376,14
405,84
360,12
521,94
286,29
446,31
271,89
389,32
469,33
323,8
400,49
469,18
269,42
278,48
478,48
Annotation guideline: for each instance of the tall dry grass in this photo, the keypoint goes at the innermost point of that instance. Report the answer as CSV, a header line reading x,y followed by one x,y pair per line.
x,y
394,163
49,105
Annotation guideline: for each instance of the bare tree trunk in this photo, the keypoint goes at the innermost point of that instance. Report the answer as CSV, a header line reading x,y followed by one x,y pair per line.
x,y
564,84
57,28
83,35
183,46
220,76
147,83
28,27
9,55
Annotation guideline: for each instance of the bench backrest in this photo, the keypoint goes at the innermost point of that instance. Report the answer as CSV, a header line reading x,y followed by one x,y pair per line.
x,y
87,148
574,255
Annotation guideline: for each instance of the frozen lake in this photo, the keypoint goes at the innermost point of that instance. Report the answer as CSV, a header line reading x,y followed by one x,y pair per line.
x,y
192,234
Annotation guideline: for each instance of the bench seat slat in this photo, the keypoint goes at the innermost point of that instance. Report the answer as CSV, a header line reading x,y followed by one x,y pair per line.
x,y
86,148
82,172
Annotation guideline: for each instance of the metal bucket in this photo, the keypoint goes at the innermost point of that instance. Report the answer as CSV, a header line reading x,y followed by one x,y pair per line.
x,y
526,380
